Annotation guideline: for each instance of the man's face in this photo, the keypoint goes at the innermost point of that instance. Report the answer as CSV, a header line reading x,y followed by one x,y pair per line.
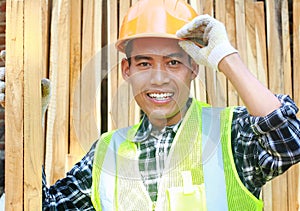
x,y
160,74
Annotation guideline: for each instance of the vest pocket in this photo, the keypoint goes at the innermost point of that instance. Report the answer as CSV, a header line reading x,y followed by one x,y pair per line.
x,y
194,200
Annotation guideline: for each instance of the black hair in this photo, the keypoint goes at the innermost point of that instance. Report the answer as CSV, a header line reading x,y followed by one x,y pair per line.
x,y
128,50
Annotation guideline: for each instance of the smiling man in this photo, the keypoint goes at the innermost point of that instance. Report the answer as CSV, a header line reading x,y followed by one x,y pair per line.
x,y
160,73
183,155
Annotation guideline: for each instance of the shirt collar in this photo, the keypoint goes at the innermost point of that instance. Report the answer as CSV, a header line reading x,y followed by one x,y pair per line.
x,y
146,129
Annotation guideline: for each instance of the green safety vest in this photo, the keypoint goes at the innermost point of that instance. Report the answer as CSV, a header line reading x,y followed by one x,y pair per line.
x,y
199,172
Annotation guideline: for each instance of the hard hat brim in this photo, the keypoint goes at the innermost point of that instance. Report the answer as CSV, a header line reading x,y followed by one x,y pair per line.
x,y
121,44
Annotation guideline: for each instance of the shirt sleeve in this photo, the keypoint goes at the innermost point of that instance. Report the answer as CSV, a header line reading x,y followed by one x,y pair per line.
x,y
74,191
265,147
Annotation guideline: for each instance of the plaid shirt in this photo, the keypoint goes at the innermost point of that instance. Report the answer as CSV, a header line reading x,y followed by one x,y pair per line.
x,y
153,146
263,148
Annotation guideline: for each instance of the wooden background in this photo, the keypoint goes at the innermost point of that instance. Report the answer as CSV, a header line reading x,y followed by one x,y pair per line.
x,y
72,43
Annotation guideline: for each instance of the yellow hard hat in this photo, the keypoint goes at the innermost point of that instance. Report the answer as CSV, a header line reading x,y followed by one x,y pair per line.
x,y
154,18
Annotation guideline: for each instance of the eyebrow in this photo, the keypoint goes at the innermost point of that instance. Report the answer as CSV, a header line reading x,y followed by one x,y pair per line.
x,y
142,57
172,55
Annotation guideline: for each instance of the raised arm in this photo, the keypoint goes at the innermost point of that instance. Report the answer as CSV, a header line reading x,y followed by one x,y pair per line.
x,y
259,100
216,52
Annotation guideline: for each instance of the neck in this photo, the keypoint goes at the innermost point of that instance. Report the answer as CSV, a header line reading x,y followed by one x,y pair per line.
x,y
162,122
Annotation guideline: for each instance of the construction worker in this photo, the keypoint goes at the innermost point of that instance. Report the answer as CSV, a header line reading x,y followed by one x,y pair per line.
x,y
184,154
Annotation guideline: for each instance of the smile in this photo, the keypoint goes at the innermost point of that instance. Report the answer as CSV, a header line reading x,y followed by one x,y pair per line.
x,y
160,96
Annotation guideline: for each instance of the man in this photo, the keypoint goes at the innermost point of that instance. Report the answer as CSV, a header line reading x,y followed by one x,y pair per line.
x,y
183,155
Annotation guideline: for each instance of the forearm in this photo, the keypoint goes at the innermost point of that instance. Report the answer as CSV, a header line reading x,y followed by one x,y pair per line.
x,y
265,147
259,100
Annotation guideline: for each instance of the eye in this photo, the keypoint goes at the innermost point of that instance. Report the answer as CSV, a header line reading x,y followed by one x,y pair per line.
x,y
174,63
143,64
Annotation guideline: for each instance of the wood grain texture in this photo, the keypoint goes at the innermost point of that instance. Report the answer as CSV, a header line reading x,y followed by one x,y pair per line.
x,y
14,113
286,49
123,89
58,112
33,138
112,59
240,22
261,47
230,20
274,39
89,79
75,149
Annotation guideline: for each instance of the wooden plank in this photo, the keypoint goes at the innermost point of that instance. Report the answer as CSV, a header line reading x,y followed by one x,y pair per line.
x,y
240,22
14,105
123,88
112,31
33,139
52,76
286,49
98,64
250,37
46,11
233,98
89,76
280,193
296,53
86,94
75,149
206,7
45,25
220,81
293,176
58,112
275,64
261,47
267,193
241,35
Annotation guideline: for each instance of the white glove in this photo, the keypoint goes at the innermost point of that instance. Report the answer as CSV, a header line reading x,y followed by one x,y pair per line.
x,y
208,33
46,94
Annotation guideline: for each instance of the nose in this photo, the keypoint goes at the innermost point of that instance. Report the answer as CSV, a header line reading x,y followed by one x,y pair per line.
x,y
159,76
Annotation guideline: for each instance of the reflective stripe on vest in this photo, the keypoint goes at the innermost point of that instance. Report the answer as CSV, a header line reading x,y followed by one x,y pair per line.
x,y
108,174
214,178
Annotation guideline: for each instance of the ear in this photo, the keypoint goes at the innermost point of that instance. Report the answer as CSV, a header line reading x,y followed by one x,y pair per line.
x,y
195,70
125,69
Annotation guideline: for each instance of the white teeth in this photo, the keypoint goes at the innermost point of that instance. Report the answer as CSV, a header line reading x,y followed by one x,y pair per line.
x,y
160,96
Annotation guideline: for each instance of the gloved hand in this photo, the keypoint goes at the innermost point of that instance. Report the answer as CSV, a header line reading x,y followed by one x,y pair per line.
x,y
205,40
45,86
46,94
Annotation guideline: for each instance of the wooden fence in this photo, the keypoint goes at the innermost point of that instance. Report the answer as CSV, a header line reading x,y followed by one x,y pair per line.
x,y
70,41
